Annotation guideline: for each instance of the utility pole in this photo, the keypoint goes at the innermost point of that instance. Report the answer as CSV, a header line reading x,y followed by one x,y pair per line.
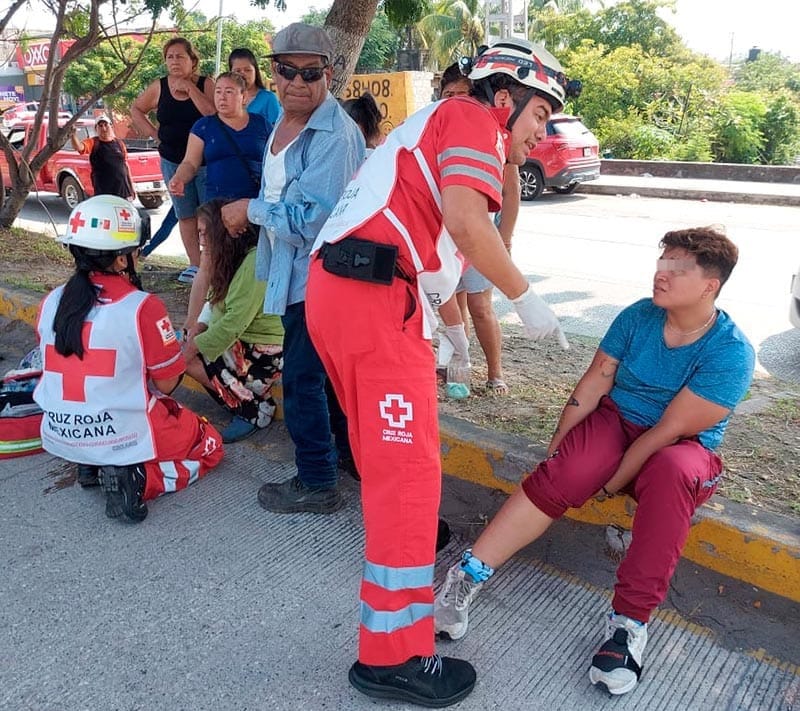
x,y
730,56
505,18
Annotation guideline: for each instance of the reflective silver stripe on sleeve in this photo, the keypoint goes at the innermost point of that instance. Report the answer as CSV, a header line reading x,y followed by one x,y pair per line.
x,y
398,578
472,172
490,159
386,622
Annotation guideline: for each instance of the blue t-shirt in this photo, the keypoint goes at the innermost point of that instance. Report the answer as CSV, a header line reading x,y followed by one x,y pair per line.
x,y
717,367
266,104
226,174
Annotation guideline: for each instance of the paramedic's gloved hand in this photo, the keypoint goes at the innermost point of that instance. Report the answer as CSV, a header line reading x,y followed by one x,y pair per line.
x,y
453,345
537,318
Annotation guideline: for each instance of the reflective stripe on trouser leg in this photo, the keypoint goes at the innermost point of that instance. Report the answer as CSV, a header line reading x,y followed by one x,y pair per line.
x,y
187,448
384,375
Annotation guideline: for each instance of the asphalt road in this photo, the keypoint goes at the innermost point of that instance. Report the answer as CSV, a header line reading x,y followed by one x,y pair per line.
x,y
591,255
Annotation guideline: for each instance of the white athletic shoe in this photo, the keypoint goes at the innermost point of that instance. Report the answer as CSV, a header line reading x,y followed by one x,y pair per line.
x,y
618,663
451,607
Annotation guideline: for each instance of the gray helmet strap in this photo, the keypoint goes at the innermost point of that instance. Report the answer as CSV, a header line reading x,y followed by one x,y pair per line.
x,y
519,108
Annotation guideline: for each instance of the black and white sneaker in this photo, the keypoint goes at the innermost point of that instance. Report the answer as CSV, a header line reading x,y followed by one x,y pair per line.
x,y
124,488
618,663
434,682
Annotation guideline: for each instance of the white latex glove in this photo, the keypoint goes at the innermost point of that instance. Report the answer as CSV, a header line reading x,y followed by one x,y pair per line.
x,y
537,318
453,345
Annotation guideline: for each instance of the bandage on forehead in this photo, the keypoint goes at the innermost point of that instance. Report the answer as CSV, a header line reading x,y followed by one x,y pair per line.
x,y
675,265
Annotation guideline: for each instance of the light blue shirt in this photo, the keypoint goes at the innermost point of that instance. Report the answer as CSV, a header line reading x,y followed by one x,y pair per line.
x,y
266,104
319,165
717,367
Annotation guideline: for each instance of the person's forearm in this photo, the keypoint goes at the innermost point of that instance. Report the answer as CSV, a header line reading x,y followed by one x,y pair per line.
x,y
185,172
204,105
645,446
142,124
483,248
580,404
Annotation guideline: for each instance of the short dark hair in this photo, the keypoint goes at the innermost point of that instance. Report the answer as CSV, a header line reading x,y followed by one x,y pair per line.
x,y
714,252
450,75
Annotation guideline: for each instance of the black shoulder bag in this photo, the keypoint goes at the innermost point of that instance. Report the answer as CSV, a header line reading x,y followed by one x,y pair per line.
x,y
232,141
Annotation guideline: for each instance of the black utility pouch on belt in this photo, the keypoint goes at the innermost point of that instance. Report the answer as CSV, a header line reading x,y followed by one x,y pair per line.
x,y
360,259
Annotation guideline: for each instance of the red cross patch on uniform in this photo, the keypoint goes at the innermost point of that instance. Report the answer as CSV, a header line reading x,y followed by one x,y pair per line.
x,y
125,221
165,329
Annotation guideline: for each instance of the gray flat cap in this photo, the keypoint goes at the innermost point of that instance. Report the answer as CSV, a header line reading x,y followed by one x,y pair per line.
x,y
300,38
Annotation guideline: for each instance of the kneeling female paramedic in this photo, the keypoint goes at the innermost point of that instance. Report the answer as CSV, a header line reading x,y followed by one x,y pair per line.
x,y
110,360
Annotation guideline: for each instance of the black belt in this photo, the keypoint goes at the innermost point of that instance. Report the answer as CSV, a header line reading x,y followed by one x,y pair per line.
x,y
355,258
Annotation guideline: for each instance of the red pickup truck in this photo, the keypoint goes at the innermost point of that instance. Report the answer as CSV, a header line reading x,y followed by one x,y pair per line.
x,y
68,173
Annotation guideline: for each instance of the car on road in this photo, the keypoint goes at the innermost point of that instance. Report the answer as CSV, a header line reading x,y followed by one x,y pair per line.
x,y
26,111
568,155
69,173
794,304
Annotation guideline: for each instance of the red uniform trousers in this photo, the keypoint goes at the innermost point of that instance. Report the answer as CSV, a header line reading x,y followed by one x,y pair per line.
x,y
369,337
187,448
669,487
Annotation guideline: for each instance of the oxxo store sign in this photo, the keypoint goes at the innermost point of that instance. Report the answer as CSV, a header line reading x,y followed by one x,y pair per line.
x,y
32,58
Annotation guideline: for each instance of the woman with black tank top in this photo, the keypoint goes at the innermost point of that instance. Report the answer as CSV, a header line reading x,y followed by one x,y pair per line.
x,y
179,99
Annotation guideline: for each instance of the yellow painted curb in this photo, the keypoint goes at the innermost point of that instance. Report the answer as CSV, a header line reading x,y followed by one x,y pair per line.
x,y
751,552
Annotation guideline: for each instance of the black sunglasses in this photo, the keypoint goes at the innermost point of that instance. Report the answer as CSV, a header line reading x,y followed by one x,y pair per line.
x,y
308,75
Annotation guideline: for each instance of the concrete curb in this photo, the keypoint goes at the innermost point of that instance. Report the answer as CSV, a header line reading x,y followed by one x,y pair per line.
x,y
679,193
757,547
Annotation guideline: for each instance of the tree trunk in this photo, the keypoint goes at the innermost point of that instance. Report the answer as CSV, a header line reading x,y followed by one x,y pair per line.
x,y
11,203
348,24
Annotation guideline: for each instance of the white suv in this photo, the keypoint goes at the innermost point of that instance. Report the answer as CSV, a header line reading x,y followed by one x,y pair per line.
x,y
794,306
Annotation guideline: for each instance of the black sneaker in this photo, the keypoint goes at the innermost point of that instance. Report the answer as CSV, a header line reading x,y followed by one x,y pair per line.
x,y
348,464
442,535
292,496
88,475
433,682
124,487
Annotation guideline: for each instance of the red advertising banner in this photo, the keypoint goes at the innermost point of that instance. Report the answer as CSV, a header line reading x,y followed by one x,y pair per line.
x,y
32,56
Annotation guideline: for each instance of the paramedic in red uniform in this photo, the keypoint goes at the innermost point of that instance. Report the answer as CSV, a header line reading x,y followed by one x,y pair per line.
x,y
423,195
110,360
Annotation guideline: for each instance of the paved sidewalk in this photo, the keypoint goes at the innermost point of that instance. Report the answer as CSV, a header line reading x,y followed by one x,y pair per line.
x,y
695,189
212,603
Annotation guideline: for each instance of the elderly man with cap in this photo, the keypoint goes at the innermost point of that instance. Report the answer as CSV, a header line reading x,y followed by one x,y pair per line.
x,y
312,153
108,157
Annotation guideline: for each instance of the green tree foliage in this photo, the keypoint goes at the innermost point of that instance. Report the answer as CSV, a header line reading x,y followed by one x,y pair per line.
x,y
768,73
87,24
781,130
737,128
454,28
106,58
380,46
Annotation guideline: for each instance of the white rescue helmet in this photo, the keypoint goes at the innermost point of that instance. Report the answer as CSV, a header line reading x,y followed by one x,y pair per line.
x,y
527,63
104,223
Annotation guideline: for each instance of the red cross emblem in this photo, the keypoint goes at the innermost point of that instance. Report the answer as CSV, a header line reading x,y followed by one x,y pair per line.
x,y
76,221
540,73
124,214
396,411
96,362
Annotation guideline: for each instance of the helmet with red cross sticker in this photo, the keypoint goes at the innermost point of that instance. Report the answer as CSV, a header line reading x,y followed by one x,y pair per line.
x,y
526,63
105,223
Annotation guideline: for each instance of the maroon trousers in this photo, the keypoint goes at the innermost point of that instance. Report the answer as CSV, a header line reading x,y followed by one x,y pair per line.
x,y
669,487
